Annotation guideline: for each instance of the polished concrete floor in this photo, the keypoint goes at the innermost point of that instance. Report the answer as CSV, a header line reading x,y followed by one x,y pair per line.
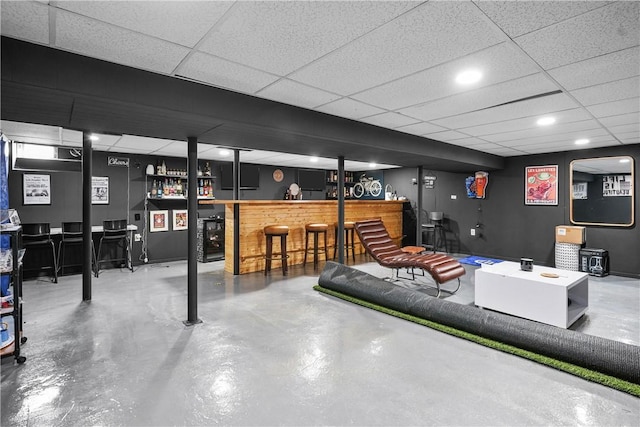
x,y
272,351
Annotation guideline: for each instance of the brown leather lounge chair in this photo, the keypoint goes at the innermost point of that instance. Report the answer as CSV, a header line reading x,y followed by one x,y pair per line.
x,y
377,242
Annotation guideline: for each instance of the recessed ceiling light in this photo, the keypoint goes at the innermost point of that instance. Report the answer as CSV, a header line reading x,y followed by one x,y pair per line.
x,y
468,77
224,152
94,138
313,159
546,121
582,141
373,165
624,160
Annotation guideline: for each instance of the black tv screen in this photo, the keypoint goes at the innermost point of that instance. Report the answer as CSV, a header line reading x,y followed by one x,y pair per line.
x,y
249,176
312,179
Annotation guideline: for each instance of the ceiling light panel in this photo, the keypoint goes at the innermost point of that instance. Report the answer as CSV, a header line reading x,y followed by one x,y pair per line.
x,y
602,69
349,108
389,120
533,107
484,97
425,42
598,32
222,73
297,32
498,63
613,91
26,21
93,38
294,93
517,18
190,20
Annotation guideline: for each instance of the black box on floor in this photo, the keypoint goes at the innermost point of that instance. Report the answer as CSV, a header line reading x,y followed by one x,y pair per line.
x,y
594,261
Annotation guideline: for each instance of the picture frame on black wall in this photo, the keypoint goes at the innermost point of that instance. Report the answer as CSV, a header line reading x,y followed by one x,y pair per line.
x,y
36,189
541,185
99,190
180,219
158,221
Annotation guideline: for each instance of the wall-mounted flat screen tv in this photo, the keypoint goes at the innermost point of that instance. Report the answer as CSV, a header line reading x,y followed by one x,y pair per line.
x,y
312,179
249,176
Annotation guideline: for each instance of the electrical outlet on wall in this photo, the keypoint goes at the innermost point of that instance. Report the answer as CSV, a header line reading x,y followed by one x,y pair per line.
x,y
137,237
473,231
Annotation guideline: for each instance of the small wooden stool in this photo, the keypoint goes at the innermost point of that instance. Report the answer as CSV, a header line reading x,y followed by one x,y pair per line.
x,y
349,239
315,229
283,232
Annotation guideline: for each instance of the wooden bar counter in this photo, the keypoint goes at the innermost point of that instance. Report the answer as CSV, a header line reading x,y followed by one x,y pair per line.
x,y
256,214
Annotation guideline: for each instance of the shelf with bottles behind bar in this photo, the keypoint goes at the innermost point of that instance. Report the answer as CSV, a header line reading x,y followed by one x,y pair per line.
x,y
171,184
332,185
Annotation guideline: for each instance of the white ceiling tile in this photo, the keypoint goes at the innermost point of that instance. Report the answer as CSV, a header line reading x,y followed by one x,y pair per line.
x,y
632,140
222,73
420,128
533,107
96,39
105,140
389,120
482,98
281,37
552,138
190,20
468,142
526,124
613,91
25,20
555,148
74,137
446,136
294,93
623,119
564,144
521,17
129,150
143,143
504,151
415,41
604,30
349,108
626,131
615,108
17,130
498,64
602,69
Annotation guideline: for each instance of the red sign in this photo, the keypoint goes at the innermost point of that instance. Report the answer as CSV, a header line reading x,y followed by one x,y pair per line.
x,y
541,185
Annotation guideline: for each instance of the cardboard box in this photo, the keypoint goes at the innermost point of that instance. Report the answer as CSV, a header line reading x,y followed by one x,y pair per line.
x,y
570,234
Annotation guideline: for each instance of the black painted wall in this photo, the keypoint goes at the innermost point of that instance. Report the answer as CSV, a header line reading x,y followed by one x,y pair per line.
x,y
510,229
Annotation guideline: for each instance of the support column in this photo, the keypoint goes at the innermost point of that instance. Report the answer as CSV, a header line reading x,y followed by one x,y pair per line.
x,y
340,236
192,231
236,212
419,209
87,235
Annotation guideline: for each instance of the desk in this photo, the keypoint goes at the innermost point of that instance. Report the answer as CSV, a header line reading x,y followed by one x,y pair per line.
x,y
557,301
94,229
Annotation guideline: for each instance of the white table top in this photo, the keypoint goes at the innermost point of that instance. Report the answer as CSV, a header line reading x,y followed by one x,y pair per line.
x,y
94,229
512,269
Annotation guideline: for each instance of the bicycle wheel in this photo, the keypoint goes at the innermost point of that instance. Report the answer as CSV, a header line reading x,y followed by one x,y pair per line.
x,y
358,190
376,188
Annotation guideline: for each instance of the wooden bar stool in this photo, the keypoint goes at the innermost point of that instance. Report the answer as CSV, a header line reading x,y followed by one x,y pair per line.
x,y
269,232
315,229
349,239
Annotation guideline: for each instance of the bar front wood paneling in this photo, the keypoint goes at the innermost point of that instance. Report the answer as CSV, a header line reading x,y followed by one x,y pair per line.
x,y
256,214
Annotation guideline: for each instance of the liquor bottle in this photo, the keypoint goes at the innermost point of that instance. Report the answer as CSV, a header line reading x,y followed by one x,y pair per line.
x,y
179,188
160,189
154,189
164,168
166,187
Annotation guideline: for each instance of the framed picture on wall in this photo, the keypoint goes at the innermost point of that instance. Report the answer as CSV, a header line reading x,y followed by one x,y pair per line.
x,y
541,185
99,190
179,219
36,189
158,221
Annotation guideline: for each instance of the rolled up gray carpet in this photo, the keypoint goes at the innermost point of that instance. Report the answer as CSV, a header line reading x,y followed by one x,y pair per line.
x,y
603,355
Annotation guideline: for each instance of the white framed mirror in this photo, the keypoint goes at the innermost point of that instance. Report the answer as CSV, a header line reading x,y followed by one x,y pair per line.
x,y
602,191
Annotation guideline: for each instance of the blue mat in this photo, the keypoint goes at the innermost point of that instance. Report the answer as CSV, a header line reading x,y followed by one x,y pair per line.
x,y
478,260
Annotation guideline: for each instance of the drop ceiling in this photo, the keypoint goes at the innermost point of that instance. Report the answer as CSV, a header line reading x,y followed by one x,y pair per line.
x,y
390,64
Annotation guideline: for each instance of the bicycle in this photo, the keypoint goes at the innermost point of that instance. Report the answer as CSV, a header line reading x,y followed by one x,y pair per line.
x,y
367,185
